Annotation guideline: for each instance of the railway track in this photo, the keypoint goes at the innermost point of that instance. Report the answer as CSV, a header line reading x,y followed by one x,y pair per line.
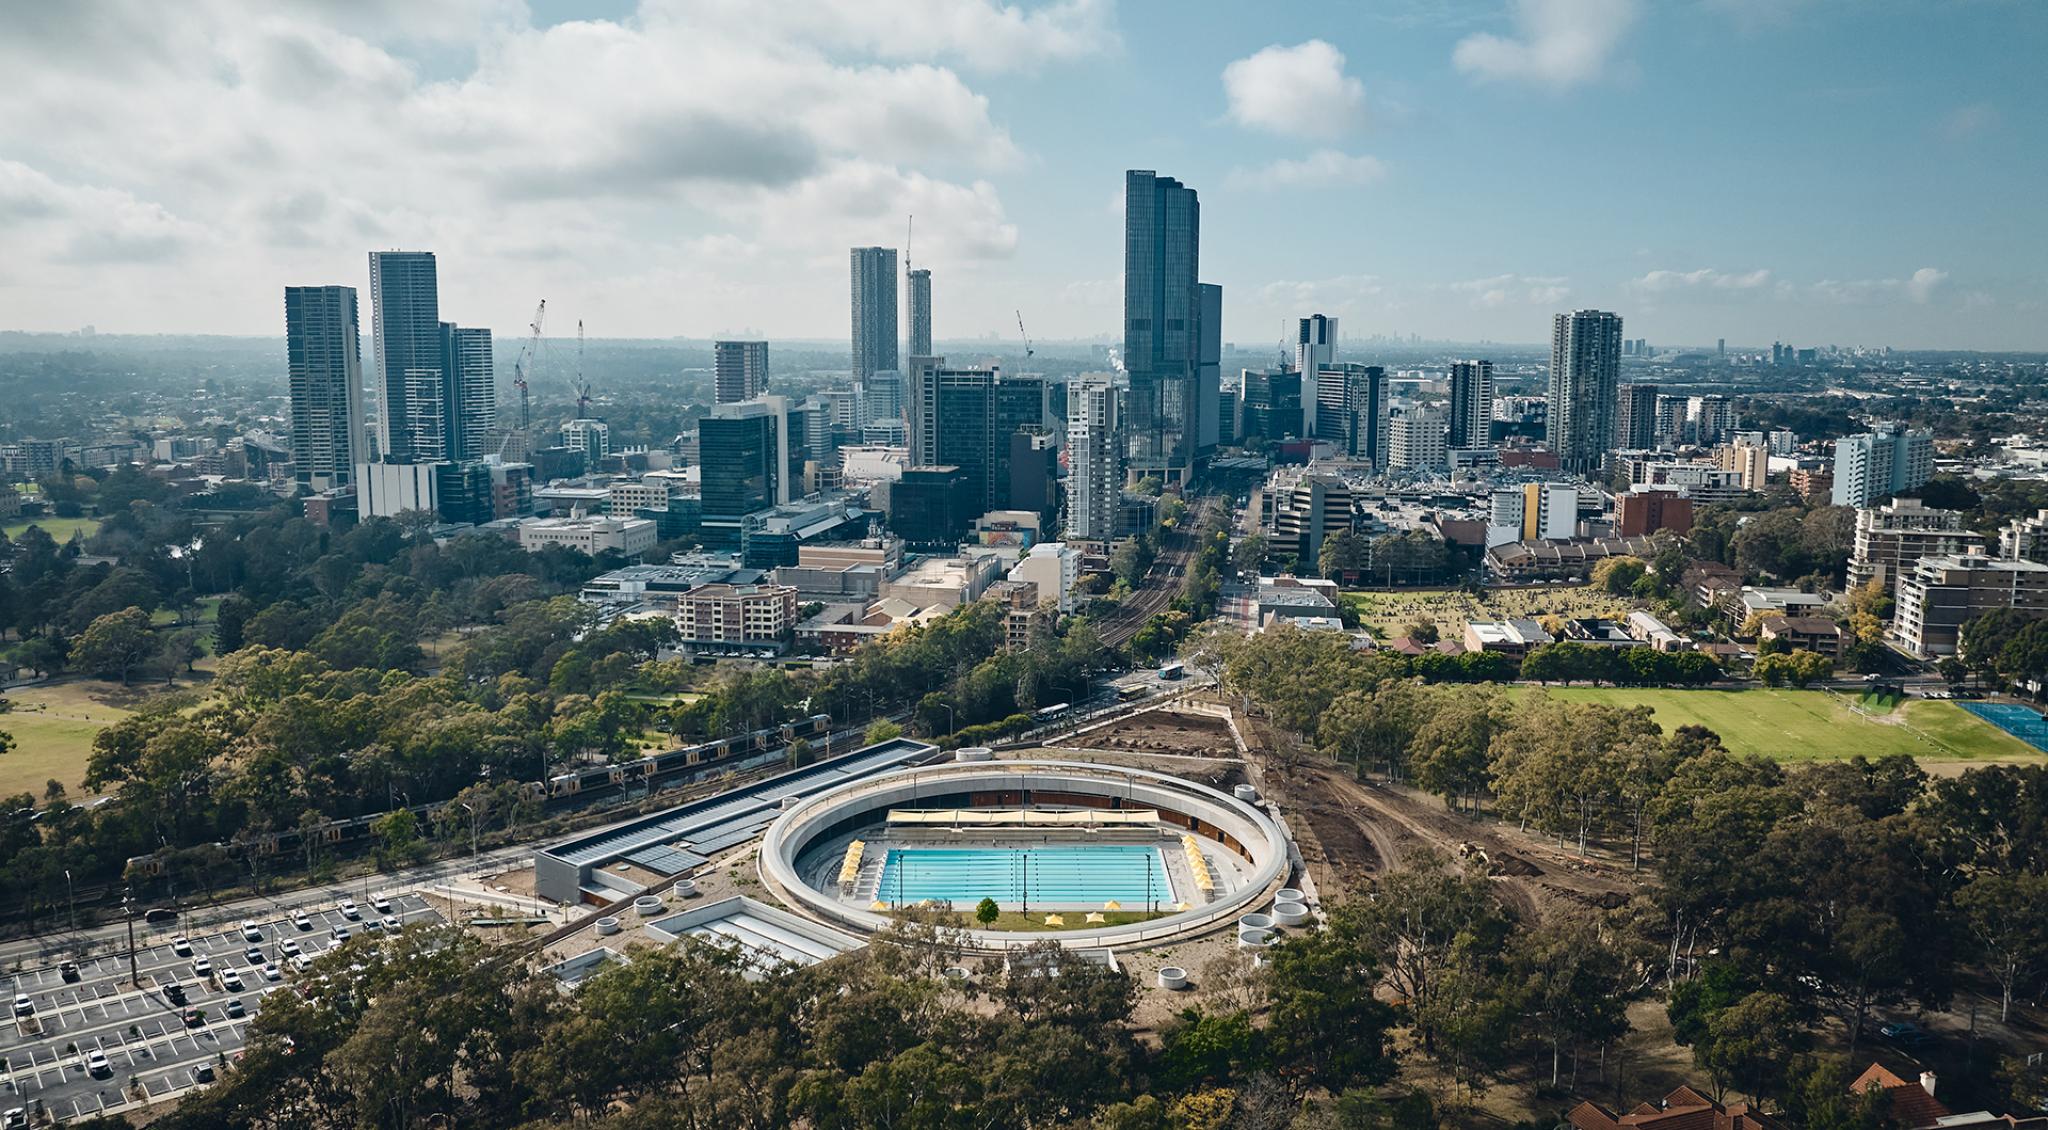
x,y
1162,581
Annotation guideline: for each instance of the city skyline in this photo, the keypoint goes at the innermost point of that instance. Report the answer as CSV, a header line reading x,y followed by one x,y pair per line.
x,y
1334,154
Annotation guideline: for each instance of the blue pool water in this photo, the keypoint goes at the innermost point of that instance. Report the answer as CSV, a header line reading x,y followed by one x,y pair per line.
x,y
2019,721
1132,874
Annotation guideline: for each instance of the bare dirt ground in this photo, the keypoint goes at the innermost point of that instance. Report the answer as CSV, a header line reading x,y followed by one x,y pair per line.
x,y
1165,731
1356,829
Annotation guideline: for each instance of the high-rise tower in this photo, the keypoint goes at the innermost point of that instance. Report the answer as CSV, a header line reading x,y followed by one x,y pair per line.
x,y
1315,347
323,350
739,370
874,310
1635,423
1585,371
1162,323
1094,457
405,307
921,312
471,390
1471,408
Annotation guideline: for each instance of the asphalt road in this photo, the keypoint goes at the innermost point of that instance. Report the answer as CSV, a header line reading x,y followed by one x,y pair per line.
x,y
142,1033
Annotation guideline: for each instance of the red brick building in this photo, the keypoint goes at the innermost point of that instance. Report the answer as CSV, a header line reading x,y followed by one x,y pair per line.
x,y
1642,514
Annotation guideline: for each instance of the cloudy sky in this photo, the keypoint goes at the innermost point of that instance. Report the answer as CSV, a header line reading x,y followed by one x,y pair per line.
x,y
1816,171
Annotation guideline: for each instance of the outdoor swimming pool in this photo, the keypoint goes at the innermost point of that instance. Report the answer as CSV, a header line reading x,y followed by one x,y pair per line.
x,y
2019,721
1043,874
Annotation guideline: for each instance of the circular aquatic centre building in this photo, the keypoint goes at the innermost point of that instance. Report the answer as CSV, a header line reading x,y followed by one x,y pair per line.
x,y
1088,854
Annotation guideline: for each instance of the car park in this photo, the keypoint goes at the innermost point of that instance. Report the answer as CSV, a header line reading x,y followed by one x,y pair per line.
x,y
348,909
250,933
231,980
374,925
235,1009
180,945
301,962
272,973
391,922
193,1018
382,904
15,1119
24,1006
203,1073
174,992
300,919
288,947
339,933
69,970
96,1064
254,954
202,969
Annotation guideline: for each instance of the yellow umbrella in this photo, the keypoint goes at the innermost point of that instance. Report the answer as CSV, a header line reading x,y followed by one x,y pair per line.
x,y
878,904
1055,920
1182,906
1112,904
1096,916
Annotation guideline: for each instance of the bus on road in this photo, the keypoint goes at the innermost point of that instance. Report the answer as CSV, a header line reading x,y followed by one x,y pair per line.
x,y
1172,670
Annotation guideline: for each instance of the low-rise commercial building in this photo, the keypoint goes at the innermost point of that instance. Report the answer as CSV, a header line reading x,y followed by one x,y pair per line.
x,y
1940,594
1892,537
1653,633
2025,539
592,535
1053,568
746,618
1644,512
944,582
1510,637
1817,634
1293,598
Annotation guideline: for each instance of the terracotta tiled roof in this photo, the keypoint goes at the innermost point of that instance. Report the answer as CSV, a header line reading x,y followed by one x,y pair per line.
x,y
1911,1105
1682,1109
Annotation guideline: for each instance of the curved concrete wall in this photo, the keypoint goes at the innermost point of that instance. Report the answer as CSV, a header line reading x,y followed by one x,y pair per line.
x,y
1260,835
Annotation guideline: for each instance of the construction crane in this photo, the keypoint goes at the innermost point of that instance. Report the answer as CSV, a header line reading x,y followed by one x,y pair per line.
x,y
582,386
1023,333
529,355
909,229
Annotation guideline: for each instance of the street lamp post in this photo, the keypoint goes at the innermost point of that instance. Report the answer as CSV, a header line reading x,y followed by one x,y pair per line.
x,y
472,831
128,912
71,893
952,727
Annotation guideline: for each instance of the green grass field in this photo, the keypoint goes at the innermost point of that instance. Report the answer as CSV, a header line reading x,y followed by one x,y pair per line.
x,y
1796,725
53,728
59,529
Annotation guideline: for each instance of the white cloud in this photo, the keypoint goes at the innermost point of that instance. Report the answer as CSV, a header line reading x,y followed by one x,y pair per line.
x,y
1299,91
536,160
1917,288
977,34
1657,282
1921,286
1507,290
1335,293
1556,43
1325,168
85,224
